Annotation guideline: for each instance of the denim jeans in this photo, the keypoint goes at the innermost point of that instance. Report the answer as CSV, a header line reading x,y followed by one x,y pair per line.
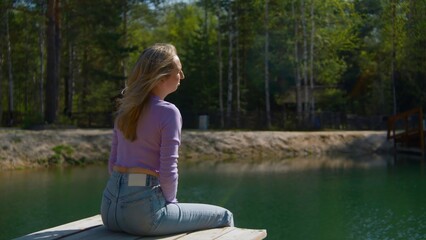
x,y
142,210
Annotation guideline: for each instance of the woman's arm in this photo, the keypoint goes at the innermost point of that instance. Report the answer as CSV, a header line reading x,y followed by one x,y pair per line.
x,y
170,141
113,153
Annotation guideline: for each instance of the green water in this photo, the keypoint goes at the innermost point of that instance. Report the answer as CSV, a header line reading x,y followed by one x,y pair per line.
x,y
306,199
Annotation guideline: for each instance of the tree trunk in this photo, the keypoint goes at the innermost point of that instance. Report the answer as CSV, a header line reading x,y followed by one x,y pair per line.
x,y
10,72
205,53
69,82
124,60
393,3
84,81
53,50
41,77
219,48
27,73
1,89
230,70
267,97
238,66
311,67
305,61
238,86
69,75
297,67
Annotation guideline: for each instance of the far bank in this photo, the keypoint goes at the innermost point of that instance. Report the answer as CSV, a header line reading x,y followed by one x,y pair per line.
x,y
32,149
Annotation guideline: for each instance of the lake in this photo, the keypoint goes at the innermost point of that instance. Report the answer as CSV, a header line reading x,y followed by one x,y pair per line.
x,y
366,197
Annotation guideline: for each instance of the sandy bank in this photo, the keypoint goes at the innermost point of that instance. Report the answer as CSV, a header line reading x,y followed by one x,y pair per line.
x,y
27,149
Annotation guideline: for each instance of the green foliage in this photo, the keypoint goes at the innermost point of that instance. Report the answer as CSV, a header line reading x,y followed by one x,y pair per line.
x,y
62,153
333,100
332,70
353,46
63,150
32,119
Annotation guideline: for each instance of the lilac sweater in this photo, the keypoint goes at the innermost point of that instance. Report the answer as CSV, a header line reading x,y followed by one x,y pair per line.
x,y
156,146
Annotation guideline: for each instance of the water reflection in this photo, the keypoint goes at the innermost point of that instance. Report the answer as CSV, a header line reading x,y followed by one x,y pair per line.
x,y
340,197
32,200
301,164
373,197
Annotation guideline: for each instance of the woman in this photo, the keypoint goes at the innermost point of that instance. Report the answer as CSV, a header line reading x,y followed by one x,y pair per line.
x,y
140,196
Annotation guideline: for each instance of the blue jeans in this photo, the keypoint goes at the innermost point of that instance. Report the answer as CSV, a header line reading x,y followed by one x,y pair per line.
x,y
142,210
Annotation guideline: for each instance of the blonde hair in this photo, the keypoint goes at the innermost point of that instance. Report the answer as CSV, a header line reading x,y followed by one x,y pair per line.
x,y
154,64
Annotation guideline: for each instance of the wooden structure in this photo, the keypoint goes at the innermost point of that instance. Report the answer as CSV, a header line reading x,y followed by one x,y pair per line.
x,y
407,131
92,228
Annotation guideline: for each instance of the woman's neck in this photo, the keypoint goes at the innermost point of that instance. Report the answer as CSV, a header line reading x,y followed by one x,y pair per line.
x,y
159,92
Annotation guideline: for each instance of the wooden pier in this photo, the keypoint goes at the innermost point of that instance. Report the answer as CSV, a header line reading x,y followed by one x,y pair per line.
x,y
92,228
407,131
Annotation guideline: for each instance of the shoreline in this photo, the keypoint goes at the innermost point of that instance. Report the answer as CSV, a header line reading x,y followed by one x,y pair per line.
x,y
23,149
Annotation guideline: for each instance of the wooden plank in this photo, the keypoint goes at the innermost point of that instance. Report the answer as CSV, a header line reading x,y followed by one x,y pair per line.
x,y
100,232
246,234
169,237
65,229
92,228
207,234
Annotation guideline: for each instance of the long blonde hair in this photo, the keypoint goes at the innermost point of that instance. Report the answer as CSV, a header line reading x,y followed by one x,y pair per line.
x,y
154,64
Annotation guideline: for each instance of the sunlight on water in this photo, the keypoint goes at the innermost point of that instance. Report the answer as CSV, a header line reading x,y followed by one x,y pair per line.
x,y
307,198
386,224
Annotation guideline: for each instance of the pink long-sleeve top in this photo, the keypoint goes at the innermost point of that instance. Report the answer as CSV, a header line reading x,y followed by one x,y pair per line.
x,y
156,146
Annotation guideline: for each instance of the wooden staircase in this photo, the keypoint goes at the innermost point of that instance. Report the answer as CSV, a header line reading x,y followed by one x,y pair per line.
x,y
407,131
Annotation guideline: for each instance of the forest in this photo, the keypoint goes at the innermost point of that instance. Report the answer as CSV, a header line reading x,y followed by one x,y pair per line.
x,y
249,64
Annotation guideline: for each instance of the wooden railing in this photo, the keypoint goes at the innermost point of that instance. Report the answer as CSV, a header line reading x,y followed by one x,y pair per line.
x,y
407,131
